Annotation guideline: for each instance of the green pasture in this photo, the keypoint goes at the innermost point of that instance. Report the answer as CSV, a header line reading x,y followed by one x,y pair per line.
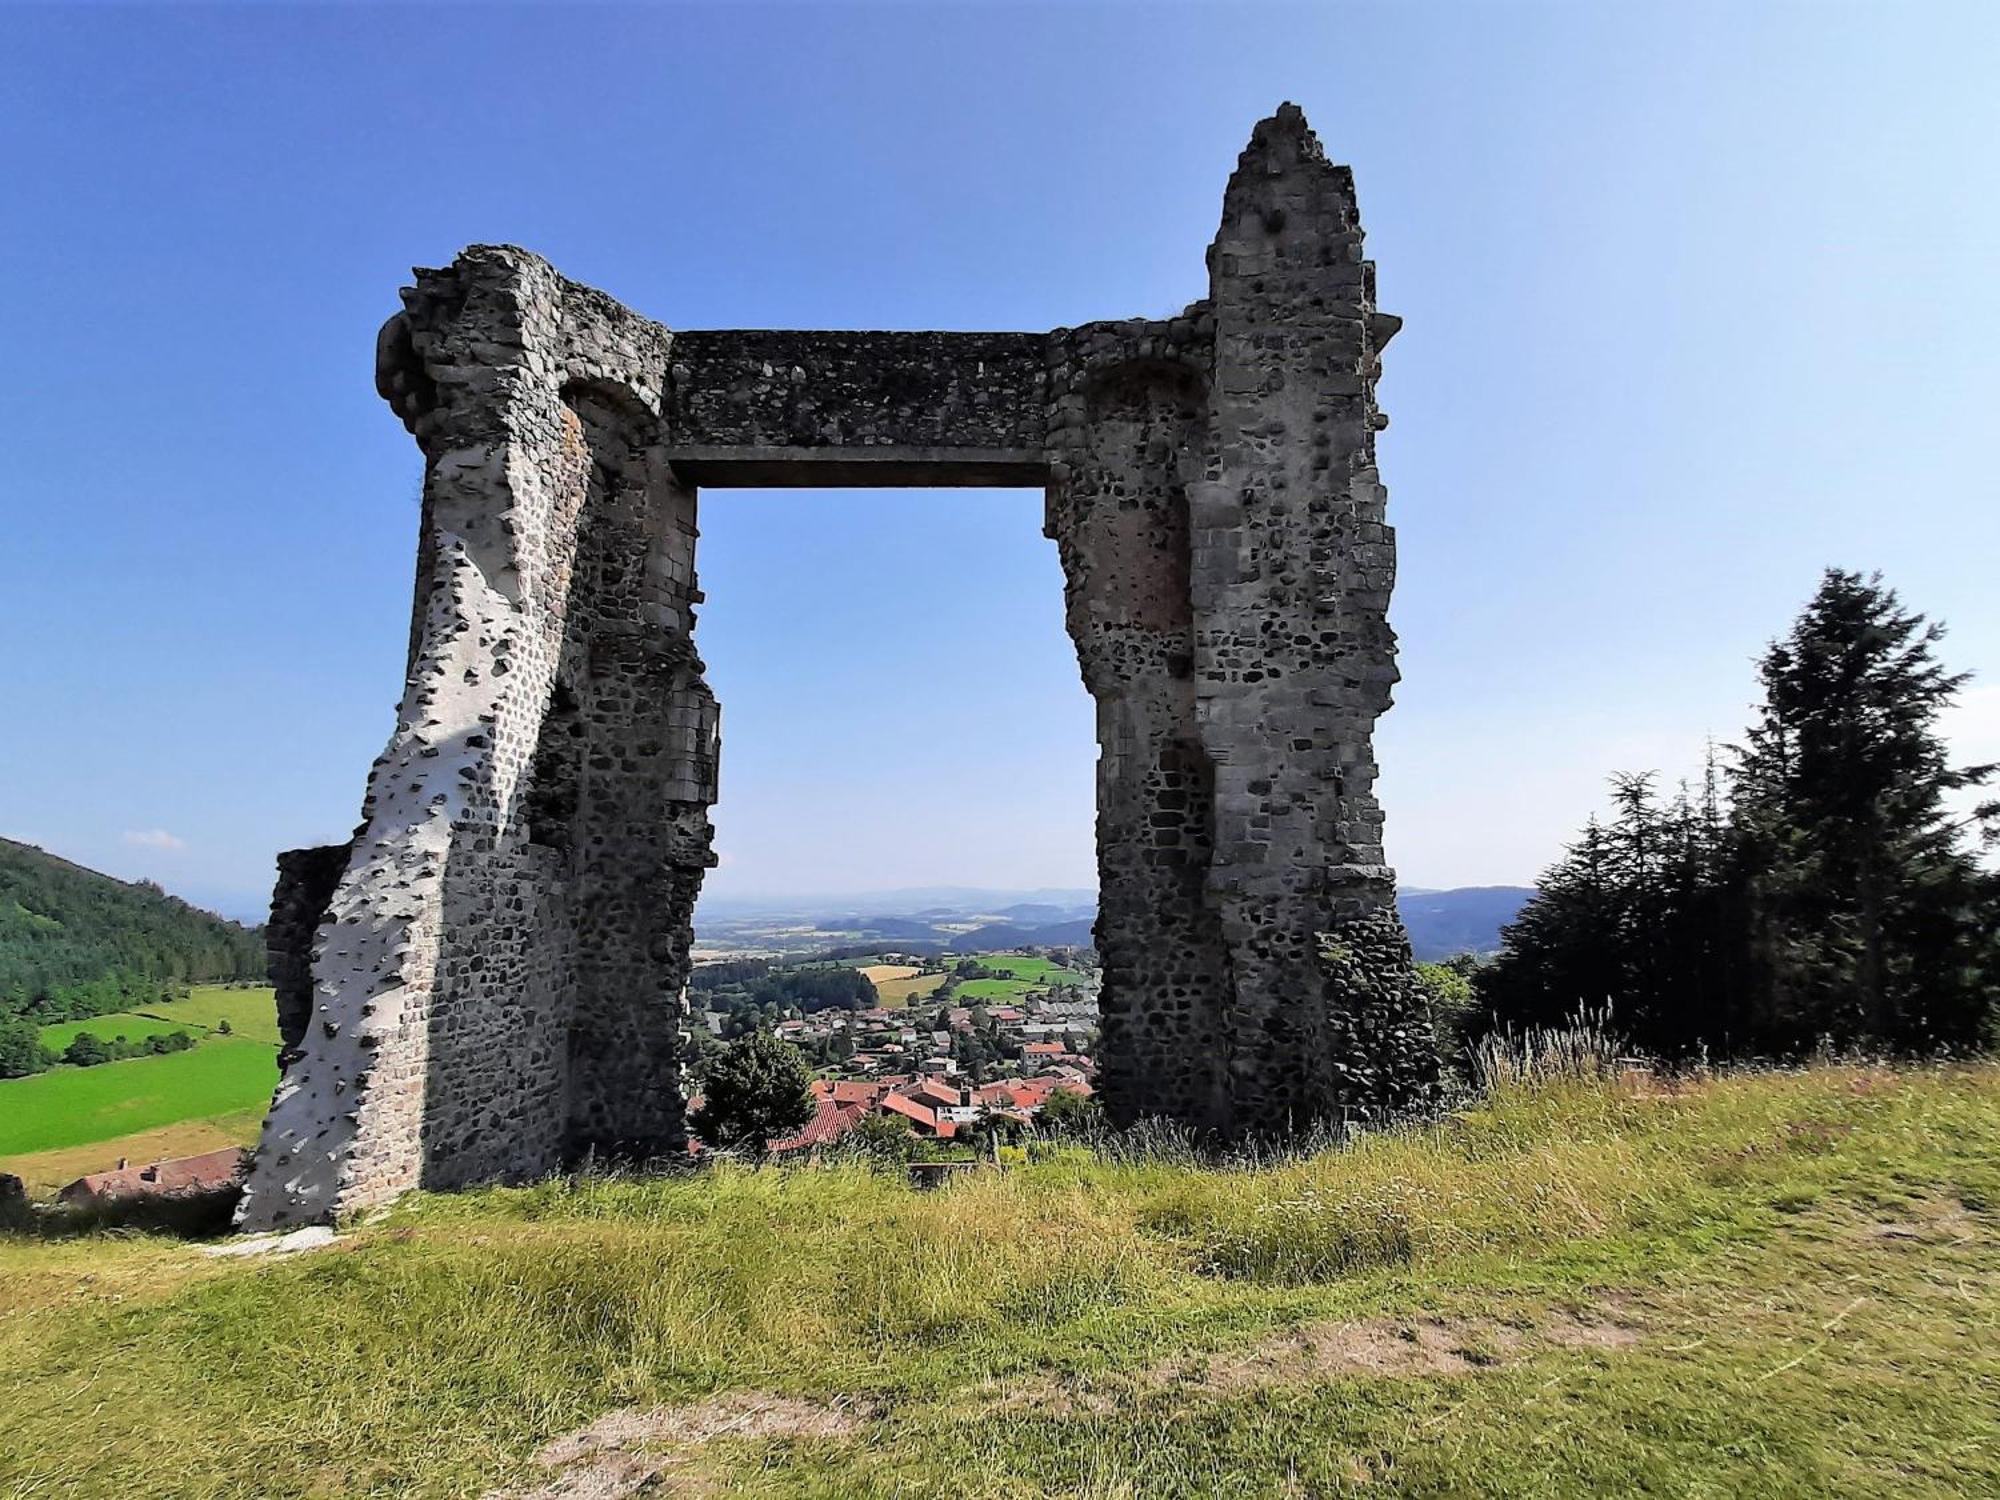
x,y
1023,966
75,1106
131,1025
251,1013
1006,991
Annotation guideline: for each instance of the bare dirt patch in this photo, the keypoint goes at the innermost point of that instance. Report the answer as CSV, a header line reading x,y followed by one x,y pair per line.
x,y
1386,1348
652,1450
1930,1221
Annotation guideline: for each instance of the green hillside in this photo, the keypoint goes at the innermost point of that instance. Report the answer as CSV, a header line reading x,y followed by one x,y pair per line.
x,y
74,943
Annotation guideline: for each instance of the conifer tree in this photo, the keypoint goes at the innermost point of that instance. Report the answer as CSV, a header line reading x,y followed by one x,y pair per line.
x,y
1870,919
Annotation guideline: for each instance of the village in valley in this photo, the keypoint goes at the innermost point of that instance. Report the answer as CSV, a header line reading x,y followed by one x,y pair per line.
x,y
953,1048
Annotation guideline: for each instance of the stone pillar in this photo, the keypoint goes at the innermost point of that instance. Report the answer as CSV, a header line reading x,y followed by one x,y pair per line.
x,y
1215,498
446,975
646,728
1293,655
1128,407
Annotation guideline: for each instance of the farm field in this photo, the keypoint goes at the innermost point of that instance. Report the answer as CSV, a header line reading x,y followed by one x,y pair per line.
x,y
902,991
1024,973
1776,1286
251,1012
1025,966
78,1106
1003,990
132,1025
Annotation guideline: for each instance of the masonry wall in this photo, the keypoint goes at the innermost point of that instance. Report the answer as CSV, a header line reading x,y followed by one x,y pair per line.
x,y
307,879
1128,413
1294,658
463,949
488,983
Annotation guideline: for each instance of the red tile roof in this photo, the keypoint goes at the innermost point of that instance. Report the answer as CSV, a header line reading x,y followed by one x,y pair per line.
x,y
937,1095
923,1118
180,1174
829,1123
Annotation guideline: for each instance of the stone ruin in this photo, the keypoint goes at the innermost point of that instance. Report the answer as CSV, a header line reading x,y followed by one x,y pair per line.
x,y
488,982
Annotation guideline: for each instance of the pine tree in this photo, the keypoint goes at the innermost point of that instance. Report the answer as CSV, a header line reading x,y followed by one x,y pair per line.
x,y
1561,955
1870,919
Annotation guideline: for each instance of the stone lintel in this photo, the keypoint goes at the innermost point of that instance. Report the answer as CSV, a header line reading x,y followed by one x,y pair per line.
x,y
736,466
802,391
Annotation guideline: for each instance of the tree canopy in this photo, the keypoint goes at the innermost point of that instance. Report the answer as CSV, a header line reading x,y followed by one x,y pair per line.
x,y
1820,888
75,944
756,1091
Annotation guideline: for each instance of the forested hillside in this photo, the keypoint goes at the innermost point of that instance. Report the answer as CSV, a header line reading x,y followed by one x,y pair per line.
x,y
74,943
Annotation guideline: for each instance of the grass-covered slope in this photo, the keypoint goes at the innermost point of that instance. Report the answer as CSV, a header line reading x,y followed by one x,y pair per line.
x,y
1762,1285
76,943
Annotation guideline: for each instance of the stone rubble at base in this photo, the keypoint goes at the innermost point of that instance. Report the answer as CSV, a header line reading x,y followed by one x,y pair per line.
x,y
487,982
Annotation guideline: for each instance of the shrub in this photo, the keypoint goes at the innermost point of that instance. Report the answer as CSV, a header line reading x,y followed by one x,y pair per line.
x,y
87,1051
21,1049
758,1089
1068,1113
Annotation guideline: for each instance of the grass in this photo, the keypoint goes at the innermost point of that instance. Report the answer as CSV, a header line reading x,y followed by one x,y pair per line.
x,y
77,1106
1024,966
1006,991
252,1012
1754,1285
128,1024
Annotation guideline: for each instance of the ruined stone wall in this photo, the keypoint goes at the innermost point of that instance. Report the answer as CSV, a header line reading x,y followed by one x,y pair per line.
x,y
447,969
1128,411
780,407
307,879
783,388
643,736
1294,657
496,975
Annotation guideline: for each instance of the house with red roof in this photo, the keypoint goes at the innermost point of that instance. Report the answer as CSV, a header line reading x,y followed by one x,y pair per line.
x,y
925,1119
179,1174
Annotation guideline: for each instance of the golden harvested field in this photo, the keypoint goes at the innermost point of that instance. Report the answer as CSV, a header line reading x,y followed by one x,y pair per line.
x,y
899,984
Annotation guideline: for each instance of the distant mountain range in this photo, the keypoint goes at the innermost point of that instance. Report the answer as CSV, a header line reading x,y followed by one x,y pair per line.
x,y
1465,920
964,920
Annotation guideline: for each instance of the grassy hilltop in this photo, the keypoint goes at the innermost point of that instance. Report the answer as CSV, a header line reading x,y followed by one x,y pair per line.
x,y
1755,1285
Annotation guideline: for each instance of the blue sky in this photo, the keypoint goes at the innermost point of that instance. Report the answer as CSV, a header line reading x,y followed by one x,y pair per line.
x,y
1699,299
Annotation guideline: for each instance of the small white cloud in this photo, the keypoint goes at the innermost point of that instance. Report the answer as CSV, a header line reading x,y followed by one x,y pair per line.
x,y
155,838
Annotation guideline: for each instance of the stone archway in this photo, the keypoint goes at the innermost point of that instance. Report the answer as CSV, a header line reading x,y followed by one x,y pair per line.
x,y
487,981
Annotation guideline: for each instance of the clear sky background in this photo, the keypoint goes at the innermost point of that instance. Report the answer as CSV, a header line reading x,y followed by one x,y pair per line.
x,y
1699,299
